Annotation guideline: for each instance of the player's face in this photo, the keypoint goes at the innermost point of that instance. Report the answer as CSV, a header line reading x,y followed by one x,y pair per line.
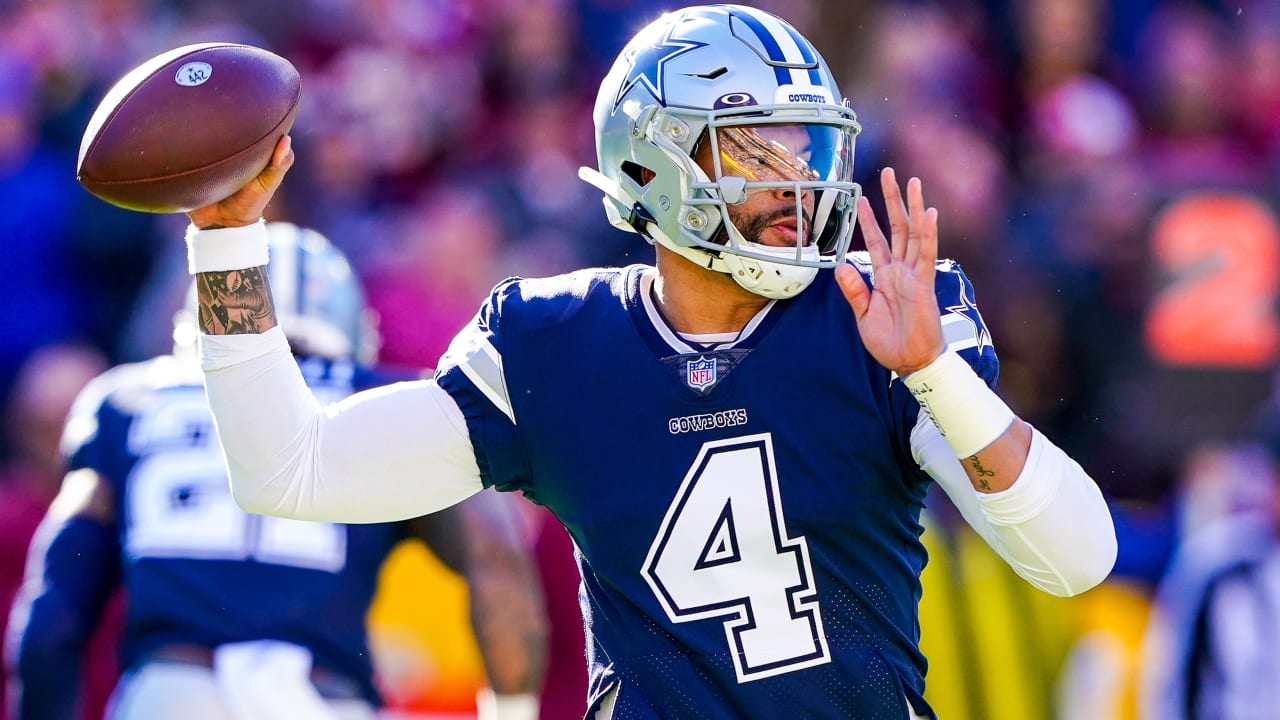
x,y
766,153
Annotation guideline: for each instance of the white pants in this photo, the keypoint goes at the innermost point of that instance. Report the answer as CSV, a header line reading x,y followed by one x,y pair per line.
x,y
164,691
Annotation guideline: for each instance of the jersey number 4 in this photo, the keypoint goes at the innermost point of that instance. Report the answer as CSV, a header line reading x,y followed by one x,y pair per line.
x,y
723,552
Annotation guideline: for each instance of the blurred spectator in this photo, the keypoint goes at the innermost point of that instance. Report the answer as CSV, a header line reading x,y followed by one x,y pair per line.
x,y
42,295
1058,40
548,217
535,51
1210,649
1188,80
46,386
1110,660
445,253
1257,99
47,89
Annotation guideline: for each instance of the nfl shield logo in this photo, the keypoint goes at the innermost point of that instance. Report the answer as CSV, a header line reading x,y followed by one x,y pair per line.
x,y
701,373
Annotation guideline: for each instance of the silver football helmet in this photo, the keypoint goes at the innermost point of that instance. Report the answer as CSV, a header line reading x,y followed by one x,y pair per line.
x,y
749,85
319,301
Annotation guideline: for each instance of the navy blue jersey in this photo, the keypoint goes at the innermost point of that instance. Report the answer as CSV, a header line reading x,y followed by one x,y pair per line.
x,y
196,568
747,516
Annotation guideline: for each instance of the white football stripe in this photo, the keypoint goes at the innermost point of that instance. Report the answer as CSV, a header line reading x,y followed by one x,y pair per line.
x,y
790,51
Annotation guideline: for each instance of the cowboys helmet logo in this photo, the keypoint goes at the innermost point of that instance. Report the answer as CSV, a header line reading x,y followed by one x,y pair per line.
x,y
647,65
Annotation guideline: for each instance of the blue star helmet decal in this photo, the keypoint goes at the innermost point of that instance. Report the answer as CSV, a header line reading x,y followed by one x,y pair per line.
x,y
647,65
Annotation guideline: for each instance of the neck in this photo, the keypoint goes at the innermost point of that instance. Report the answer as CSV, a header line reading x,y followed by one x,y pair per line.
x,y
696,300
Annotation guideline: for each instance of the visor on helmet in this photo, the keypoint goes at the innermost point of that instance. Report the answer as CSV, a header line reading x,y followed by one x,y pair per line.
x,y
774,154
810,161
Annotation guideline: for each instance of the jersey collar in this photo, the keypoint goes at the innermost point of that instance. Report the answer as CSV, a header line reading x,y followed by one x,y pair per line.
x,y
664,341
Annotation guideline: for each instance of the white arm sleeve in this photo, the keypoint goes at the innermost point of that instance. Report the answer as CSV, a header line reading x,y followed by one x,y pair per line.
x,y
384,454
1052,525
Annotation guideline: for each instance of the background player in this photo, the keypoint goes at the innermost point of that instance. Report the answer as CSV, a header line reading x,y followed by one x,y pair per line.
x,y
230,614
740,459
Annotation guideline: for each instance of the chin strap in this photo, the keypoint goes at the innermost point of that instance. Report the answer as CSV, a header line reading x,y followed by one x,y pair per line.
x,y
604,184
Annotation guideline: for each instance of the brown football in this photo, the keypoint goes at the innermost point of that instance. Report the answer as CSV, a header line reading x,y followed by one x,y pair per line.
x,y
188,127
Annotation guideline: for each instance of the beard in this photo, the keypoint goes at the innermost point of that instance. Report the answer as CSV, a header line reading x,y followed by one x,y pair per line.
x,y
752,227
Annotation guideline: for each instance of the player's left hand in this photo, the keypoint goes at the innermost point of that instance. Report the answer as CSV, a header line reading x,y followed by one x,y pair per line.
x,y
898,317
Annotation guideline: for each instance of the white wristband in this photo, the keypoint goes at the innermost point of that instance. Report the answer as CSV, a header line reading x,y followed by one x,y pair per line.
x,y
224,249
492,706
967,412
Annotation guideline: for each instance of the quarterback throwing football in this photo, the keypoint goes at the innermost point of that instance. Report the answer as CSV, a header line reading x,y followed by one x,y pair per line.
x,y
739,438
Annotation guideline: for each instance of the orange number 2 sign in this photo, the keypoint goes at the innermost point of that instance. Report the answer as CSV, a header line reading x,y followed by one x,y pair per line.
x,y
1222,251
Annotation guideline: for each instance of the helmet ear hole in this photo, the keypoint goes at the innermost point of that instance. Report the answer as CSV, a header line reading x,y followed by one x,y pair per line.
x,y
640,174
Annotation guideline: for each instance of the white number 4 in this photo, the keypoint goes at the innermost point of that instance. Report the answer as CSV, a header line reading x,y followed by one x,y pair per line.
x,y
723,551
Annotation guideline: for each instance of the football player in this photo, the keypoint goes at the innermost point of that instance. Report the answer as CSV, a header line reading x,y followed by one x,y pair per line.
x,y
739,438
232,615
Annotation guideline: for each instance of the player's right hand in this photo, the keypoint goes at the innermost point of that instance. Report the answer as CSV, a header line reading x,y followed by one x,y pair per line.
x,y
246,205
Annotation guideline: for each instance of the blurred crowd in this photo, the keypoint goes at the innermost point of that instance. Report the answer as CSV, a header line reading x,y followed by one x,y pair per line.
x,y
1106,172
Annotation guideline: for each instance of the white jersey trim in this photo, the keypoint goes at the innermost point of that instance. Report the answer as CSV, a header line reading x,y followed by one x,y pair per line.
x,y
677,342
481,362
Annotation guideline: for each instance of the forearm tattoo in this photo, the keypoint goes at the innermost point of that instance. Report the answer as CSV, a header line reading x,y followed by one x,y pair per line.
x,y
235,302
980,473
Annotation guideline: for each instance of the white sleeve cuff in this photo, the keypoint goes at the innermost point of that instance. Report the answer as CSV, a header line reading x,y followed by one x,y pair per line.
x,y
1030,494
223,351
225,249
1052,525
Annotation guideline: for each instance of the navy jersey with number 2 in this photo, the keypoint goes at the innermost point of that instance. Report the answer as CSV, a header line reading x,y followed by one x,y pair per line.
x,y
746,514
196,568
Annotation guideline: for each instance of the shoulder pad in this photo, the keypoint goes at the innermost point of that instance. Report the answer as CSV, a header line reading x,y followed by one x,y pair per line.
x,y
962,323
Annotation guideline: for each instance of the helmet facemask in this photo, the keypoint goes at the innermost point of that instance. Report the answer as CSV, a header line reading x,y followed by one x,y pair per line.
x,y
804,153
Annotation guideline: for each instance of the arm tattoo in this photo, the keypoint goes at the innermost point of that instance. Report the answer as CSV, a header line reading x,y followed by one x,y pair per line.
x,y
235,302
980,473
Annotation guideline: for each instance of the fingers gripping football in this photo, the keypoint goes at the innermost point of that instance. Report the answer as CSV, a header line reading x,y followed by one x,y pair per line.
x,y
247,204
